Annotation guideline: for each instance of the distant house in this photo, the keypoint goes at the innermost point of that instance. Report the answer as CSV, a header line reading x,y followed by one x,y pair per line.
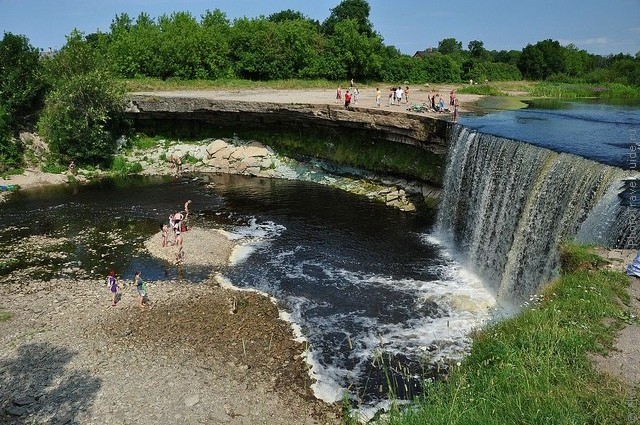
x,y
424,53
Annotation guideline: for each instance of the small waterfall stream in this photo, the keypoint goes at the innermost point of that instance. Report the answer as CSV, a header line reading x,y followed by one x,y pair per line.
x,y
507,205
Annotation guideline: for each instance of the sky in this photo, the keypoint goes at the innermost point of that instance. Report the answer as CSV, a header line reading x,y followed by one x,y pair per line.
x,y
597,26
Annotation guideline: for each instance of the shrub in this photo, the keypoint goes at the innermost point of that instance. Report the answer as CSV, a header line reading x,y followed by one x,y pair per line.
x,y
122,167
84,117
10,151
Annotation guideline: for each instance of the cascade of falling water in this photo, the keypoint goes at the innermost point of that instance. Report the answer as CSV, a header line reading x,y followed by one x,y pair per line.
x,y
507,206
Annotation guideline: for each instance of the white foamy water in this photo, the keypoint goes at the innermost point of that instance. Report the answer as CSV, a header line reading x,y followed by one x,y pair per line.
x,y
433,325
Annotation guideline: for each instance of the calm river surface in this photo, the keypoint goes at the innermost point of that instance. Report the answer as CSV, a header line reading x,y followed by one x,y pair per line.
x,y
599,130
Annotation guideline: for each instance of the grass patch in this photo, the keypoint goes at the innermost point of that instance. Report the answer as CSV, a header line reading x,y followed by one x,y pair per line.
x,y
482,89
122,167
578,257
534,368
576,90
144,142
53,168
5,315
155,84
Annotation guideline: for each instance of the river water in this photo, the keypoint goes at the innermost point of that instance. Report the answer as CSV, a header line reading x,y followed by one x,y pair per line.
x,y
603,131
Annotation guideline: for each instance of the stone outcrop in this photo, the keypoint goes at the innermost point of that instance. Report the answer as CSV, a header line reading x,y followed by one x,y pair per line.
x,y
251,158
377,124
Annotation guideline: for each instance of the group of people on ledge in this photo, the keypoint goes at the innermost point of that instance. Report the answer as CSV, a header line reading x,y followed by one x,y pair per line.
x,y
435,102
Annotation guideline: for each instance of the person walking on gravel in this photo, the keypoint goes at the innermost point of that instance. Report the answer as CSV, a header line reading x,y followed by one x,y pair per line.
x,y
141,288
112,284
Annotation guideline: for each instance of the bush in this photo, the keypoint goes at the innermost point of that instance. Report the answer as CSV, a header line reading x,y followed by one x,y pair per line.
x,y
10,152
84,117
122,167
483,71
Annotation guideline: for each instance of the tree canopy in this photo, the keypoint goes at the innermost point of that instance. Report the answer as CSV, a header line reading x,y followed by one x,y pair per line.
x,y
289,45
82,113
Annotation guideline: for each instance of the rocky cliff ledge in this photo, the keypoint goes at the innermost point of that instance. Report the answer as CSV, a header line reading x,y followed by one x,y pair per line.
x,y
376,124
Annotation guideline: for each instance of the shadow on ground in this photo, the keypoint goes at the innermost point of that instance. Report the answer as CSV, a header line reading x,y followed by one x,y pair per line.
x,y
35,387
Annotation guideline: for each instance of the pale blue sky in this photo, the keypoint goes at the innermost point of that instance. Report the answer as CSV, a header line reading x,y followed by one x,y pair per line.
x,y
598,26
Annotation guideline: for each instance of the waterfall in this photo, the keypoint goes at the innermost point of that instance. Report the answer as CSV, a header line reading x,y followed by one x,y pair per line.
x,y
507,205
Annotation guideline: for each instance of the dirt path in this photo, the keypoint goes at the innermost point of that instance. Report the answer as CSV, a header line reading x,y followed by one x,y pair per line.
x,y
366,99
624,361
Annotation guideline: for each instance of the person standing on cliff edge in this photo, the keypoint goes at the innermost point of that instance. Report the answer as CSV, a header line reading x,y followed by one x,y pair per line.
x,y
347,99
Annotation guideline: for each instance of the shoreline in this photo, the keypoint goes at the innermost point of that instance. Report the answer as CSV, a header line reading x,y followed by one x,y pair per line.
x,y
201,353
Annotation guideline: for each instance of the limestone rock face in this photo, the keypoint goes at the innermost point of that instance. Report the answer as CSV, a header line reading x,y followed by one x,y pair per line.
x,y
424,131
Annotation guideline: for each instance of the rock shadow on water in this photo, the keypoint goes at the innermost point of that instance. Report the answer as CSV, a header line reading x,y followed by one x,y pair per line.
x,y
36,387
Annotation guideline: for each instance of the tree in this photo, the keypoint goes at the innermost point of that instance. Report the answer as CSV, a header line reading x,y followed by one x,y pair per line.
x,y
290,15
531,63
133,49
351,54
10,152
22,85
543,59
449,46
76,57
357,10
83,118
477,50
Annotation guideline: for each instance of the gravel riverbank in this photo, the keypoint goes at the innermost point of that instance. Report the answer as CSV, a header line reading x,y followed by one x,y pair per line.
x,y
67,356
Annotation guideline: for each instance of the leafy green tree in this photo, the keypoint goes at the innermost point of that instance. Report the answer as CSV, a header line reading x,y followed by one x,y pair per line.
x,y
350,54
357,10
507,56
216,33
83,118
256,48
76,57
22,86
10,152
532,63
543,59
290,15
183,51
477,51
449,46
133,47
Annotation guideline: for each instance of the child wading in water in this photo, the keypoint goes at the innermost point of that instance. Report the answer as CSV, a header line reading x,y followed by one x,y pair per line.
x,y
141,287
112,283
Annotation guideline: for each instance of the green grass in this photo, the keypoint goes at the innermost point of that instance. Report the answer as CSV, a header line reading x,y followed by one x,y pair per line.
x,y
577,90
5,316
482,89
122,167
143,142
534,368
154,84
54,168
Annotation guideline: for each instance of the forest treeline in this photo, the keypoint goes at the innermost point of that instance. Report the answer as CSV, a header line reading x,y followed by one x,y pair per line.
x,y
73,93
289,45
